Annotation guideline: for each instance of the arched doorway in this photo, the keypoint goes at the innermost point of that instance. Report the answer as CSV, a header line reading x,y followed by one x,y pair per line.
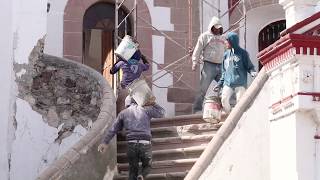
x,y
98,36
270,34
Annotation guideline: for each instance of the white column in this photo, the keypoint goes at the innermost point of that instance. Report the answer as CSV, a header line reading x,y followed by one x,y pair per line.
x,y
6,44
297,10
294,122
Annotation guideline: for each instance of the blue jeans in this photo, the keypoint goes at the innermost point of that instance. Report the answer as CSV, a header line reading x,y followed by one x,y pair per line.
x,y
209,72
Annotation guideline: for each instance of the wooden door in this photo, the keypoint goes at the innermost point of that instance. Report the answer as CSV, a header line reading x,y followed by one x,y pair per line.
x,y
107,56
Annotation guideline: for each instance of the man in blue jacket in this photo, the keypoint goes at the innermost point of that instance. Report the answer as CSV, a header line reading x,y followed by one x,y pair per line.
x,y
235,66
136,122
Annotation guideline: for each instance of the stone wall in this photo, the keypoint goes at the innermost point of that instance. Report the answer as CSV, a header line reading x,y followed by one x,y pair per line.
x,y
63,94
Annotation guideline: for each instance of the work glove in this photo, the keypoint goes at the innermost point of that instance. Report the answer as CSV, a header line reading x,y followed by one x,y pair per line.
x,y
194,67
217,88
253,74
102,147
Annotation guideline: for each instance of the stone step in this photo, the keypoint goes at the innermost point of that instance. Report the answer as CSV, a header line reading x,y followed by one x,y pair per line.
x,y
158,167
172,142
169,154
162,176
177,131
177,121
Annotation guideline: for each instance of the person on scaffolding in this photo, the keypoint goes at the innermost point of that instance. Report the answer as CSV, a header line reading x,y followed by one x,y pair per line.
x,y
209,51
136,122
235,66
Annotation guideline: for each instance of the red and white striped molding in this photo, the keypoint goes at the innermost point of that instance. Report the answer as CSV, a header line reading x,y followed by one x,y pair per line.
x,y
288,46
302,38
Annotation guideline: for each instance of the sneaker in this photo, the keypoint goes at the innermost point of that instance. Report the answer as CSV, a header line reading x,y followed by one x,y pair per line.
x,y
140,177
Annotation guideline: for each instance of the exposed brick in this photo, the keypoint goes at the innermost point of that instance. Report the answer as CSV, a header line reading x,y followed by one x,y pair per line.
x,y
72,26
74,12
144,37
72,44
183,3
179,95
142,6
181,27
179,16
165,3
183,108
173,52
186,80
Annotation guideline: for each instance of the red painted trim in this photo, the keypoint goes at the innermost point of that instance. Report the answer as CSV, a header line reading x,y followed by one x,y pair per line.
x,y
301,24
310,32
283,100
288,98
309,93
286,43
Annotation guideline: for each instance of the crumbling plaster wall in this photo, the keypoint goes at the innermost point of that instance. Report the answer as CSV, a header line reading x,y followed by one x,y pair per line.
x,y
57,103
53,104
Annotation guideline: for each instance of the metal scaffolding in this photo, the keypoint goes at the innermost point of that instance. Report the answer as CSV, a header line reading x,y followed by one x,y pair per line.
x,y
179,62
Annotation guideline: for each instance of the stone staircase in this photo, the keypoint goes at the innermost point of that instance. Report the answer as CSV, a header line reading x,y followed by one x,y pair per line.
x,y
176,145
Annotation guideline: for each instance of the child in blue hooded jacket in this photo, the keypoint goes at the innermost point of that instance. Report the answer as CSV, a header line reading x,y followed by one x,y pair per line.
x,y
235,66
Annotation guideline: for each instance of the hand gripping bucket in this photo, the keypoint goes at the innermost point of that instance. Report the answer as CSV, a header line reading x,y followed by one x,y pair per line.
x,y
127,48
212,110
141,93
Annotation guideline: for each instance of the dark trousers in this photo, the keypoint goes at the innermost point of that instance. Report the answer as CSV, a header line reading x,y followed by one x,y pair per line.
x,y
209,72
138,152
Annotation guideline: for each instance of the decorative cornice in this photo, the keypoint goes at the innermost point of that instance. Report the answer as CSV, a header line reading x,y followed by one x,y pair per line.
x,y
302,24
288,46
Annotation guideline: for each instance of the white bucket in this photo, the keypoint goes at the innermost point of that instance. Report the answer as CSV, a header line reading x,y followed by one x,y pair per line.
x,y
212,110
127,48
140,92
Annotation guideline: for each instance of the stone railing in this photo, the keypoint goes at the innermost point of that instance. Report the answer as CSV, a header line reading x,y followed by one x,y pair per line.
x,y
82,160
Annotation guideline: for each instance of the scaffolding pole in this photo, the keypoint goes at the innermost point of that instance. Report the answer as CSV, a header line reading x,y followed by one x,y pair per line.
x,y
190,30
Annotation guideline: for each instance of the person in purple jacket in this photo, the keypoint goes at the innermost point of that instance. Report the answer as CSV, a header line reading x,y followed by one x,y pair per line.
x,y
132,69
136,122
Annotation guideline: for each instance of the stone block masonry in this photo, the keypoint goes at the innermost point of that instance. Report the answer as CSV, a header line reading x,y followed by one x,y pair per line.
x,y
63,94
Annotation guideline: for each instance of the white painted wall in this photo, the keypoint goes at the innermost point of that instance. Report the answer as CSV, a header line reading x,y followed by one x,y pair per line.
x,y
160,19
30,18
158,43
34,147
292,161
6,44
54,38
257,19
245,153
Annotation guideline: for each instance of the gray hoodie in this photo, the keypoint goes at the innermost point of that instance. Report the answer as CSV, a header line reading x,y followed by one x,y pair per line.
x,y
136,122
209,47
